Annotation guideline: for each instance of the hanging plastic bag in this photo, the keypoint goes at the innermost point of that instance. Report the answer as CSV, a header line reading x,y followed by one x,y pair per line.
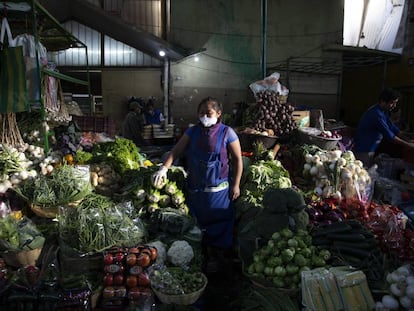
x,y
13,89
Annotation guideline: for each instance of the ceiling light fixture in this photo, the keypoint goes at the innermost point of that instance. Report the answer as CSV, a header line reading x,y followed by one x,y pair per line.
x,y
161,53
196,59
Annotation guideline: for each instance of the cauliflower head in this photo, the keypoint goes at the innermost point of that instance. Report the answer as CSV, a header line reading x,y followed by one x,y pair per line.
x,y
180,253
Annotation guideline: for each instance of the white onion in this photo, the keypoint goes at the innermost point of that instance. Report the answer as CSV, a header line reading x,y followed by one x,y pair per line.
x,y
406,302
409,291
390,302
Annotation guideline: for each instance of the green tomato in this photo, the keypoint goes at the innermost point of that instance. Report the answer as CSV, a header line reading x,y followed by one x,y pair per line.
x,y
292,243
280,271
259,267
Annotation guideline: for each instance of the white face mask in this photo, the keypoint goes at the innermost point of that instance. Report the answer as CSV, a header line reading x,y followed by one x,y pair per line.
x,y
207,122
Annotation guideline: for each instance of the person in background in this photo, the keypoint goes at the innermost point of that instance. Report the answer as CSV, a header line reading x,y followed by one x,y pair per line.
x,y
134,122
375,125
153,115
214,165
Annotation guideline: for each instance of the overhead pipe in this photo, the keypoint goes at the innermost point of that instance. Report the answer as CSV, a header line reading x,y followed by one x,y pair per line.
x,y
264,35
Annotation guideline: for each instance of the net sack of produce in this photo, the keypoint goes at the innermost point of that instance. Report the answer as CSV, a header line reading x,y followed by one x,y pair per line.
x,y
270,83
19,234
98,223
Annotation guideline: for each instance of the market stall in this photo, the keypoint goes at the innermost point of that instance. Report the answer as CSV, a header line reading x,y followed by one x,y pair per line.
x,y
83,226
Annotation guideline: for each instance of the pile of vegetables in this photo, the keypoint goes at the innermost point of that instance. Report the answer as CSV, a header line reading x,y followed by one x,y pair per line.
x,y
17,234
66,184
163,204
122,154
337,174
104,179
285,256
177,281
269,116
351,243
401,290
98,223
259,176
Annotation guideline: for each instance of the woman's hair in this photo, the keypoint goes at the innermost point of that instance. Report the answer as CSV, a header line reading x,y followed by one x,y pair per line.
x,y
215,103
388,95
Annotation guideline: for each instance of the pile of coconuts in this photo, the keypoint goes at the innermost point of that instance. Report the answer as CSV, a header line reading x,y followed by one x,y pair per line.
x,y
269,116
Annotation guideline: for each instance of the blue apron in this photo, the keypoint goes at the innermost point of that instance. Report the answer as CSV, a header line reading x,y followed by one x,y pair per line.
x,y
208,195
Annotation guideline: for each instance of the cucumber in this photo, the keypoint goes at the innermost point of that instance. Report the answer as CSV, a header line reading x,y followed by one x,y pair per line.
x,y
337,227
351,237
361,245
356,252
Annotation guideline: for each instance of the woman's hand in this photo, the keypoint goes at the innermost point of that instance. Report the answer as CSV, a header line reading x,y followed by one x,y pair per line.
x,y
234,192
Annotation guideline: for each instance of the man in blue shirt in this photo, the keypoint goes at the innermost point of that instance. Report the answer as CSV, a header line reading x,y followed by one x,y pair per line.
x,y
375,125
153,115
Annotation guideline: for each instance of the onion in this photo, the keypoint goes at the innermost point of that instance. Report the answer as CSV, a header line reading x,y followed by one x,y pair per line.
x,y
409,291
406,302
390,302
396,290
409,280
403,270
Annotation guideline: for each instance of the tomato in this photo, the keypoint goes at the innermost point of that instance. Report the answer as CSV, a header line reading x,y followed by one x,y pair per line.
x,y
154,252
108,292
143,279
118,279
143,260
108,259
131,259
131,281
133,250
108,279
119,257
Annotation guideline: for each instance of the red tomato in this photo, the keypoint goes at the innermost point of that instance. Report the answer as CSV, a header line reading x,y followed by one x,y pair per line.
x,y
131,259
118,279
133,250
143,260
131,281
108,279
119,257
154,252
143,279
108,259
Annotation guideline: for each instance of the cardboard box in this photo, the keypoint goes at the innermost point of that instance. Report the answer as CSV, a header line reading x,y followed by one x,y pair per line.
x,y
301,117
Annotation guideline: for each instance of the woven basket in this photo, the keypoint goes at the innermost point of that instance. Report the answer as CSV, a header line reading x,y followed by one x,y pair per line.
x,y
183,299
22,258
50,212
45,212
263,283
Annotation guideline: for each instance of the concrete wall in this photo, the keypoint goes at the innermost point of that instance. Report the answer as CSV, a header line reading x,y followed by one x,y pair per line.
x,y
230,31
119,85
